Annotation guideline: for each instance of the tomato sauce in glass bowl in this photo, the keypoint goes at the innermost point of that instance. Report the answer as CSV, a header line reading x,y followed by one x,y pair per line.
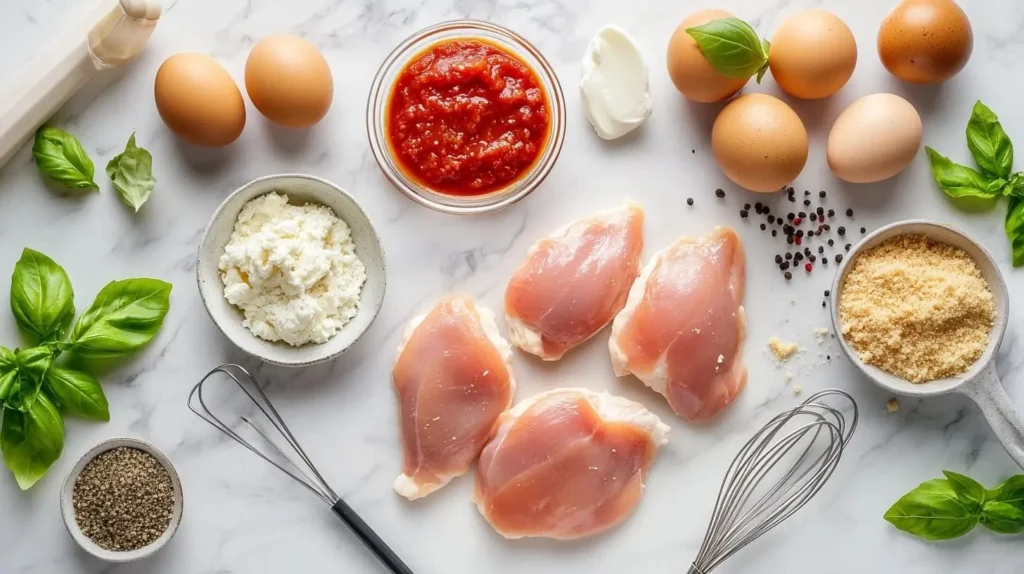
x,y
466,117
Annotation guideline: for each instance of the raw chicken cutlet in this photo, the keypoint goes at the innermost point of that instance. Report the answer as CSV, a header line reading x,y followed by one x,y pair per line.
x,y
683,326
567,463
574,281
453,380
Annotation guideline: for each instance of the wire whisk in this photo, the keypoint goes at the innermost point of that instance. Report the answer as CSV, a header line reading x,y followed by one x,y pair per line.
x,y
299,466
776,473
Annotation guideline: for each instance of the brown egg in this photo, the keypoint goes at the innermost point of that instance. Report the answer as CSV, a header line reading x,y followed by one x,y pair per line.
x,y
759,142
812,54
925,41
690,71
289,81
198,100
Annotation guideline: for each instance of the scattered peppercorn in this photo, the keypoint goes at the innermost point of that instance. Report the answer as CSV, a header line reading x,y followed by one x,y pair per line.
x,y
820,211
790,216
766,210
746,206
788,275
822,306
847,247
808,267
807,202
807,192
814,217
720,193
824,260
798,256
828,357
689,201
801,215
743,213
821,249
810,233
784,265
841,231
778,259
831,243
763,227
863,230
849,213
812,258
789,256
797,221
827,227
821,194
771,219
789,239
828,293
799,232
831,213
775,233
839,257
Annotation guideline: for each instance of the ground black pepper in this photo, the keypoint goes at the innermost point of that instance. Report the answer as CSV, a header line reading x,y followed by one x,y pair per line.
x,y
123,499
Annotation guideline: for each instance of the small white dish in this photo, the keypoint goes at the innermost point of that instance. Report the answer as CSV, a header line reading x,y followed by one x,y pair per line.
x,y
981,382
228,318
67,508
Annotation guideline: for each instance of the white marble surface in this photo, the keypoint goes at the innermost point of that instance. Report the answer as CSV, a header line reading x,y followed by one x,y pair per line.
x,y
242,517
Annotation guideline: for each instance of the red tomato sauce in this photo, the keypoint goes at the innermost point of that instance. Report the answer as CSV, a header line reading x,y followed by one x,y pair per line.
x,y
466,117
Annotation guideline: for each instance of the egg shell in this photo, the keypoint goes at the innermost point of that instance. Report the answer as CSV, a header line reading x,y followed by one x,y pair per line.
x,y
875,138
759,142
289,81
812,54
925,41
690,71
198,100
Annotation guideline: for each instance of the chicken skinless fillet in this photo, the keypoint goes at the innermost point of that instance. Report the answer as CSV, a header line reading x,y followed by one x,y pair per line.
x,y
565,464
453,379
683,326
574,281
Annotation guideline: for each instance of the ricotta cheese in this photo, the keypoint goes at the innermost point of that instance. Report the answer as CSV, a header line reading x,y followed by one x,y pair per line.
x,y
614,88
292,270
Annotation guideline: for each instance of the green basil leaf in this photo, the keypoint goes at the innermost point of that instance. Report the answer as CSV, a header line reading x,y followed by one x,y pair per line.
x,y
766,46
1002,517
32,367
8,372
1015,229
989,144
125,316
932,511
969,491
732,47
78,392
1015,186
31,441
1011,491
60,156
961,181
42,299
132,174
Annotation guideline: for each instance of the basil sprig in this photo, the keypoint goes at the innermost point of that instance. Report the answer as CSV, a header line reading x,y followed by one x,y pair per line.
x,y
131,171
732,47
950,507
61,157
992,151
35,386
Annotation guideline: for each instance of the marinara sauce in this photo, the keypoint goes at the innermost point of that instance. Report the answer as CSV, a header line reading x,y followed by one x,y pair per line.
x,y
466,117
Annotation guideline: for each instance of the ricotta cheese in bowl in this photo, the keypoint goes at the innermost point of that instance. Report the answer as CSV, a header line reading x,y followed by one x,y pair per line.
x,y
292,270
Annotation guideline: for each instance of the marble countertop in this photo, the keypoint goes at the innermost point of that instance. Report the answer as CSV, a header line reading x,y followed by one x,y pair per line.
x,y
242,516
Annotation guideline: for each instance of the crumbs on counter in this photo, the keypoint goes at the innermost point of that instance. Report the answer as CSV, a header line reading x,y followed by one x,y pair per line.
x,y
893,406
797,389
782,350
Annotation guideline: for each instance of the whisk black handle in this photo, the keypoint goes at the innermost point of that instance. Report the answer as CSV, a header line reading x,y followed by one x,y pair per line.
x,y
384,553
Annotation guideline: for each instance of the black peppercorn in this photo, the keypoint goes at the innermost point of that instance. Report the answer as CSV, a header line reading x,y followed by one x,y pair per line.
x,y
798,256
824,260
775,233
743,213
799,232
841,231
720,193
807,192
790,216
812,258
807,202
849,213
831,243
789,239
771,219
821,194
810,233
828,227
827,292
784,265
689,201
823,304
778,259
839,257
847,247
821,211
821,249
863,230
789,256
763,227
766,210
831,213
801,215
814,217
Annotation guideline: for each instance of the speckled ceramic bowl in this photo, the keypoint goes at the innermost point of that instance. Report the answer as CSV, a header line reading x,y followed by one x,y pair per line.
x,y
67,508
980,383
228,318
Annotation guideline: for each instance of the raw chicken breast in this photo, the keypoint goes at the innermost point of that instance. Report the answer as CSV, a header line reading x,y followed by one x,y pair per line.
x,y
683,326
453,379
566,463
574,281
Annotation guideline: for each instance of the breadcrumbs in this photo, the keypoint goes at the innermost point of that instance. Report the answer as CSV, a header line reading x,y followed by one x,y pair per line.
x,y
782,349
916,308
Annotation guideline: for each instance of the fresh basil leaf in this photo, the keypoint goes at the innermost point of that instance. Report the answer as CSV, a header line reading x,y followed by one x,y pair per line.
x,y
1015,229
125,316
60,156
1015,186
32,367
78,392
969,491
961,181
132,174
31,441
42,299
1011,491
932,511
8,372
1002,517
989,144
732,47
767,47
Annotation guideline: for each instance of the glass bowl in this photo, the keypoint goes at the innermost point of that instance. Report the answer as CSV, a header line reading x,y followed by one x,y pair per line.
x,y
380,92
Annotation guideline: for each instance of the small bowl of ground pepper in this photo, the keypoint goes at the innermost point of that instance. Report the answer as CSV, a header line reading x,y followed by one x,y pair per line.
x,y
122,500
466,117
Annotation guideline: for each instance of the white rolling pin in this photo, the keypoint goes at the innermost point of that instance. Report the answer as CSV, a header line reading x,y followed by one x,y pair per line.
x,y
110,35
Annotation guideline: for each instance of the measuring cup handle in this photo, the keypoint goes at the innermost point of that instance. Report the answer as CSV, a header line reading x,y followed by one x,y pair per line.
x,y
988,393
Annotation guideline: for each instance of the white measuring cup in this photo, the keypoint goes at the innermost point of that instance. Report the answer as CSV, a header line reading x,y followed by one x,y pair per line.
x,y
980,383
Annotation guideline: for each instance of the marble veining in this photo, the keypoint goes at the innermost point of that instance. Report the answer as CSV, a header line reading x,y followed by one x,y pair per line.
x,y
243,517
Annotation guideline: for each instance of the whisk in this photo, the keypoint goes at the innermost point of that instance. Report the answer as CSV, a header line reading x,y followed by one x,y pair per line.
x,y
775,474
305,473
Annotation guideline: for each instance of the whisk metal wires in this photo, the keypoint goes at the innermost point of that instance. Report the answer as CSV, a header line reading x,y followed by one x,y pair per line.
x,y
776,473
298,465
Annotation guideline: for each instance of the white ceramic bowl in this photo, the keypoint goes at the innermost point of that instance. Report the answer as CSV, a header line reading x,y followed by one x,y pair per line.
x,y
228,318
67,508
